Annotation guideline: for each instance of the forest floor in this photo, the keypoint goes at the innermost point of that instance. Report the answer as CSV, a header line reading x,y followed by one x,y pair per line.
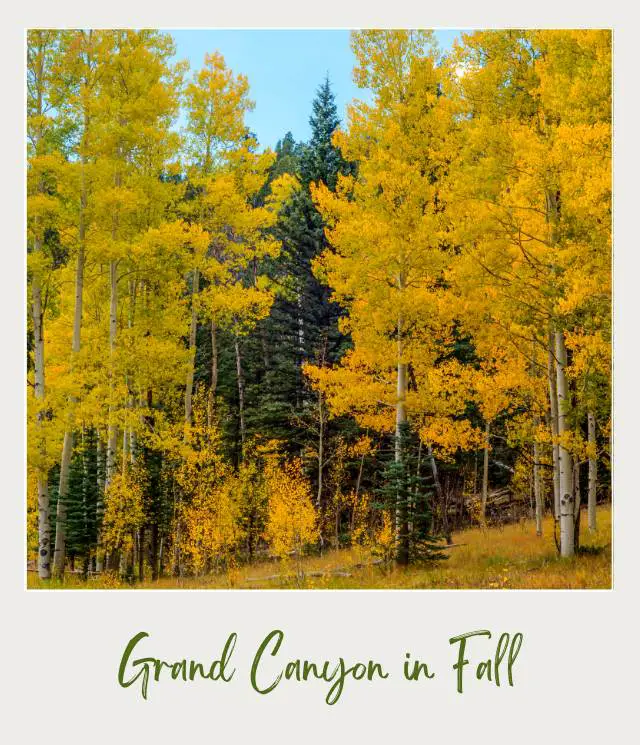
x,y
507,557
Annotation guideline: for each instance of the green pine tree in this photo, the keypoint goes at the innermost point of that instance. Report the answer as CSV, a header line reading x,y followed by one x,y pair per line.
x,y
407,491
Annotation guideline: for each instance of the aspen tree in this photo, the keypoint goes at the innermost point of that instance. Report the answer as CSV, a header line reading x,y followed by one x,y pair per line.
x,y
216,104
80,69
42,48
593,470
138,101
533,185
386,229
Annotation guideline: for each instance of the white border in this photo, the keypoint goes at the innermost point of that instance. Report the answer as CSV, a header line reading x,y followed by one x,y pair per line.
x,y
63,647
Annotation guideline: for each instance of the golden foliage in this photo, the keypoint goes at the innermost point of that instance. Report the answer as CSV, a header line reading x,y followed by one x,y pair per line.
x,y
123,510
291,517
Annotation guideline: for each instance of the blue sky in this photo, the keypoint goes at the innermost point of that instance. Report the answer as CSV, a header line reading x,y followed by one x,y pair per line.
x,y
284,68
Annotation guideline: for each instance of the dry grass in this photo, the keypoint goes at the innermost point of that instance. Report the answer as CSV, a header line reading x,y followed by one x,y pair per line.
x,y
512,557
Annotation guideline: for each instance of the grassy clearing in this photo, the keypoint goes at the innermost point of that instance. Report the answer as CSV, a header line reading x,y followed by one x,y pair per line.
x,y
512,557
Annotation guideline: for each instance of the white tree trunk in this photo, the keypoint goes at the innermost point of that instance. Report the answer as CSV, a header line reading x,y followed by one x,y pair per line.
x,y
44,531
214,373
240,379
485,474
537,485
577,502
59,550
99,500
593,471
567,499
59,553
301,341
401,419
320,449
188,392
37,315
553,406
112,440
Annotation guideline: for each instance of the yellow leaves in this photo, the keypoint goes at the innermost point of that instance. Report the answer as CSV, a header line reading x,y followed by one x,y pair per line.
x,y
574,73
385,59
291,518
353,387
591,354
208,517
209,525
282,188
123,509
361,447
217,102
237,307
171,245
384,539
449,436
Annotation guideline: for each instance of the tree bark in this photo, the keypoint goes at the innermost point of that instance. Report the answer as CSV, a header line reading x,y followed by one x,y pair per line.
x,y
537,485
37,315
112,440
402,537
155,553
188,394
240,378
101,468
214,372
59,550
553,406
577,501
439,493
567,501
141,537
320,449
67,444
44,531
485,474
593,471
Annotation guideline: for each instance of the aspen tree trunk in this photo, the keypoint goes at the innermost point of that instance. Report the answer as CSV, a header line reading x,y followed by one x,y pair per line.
x,y
44,537
593,471
188,393
59,550
320,448
359,479
59,553
155,552
37,311
214,372
439,492
402,537
131,441
141,538
99,501
301,342
133,444
414,496
485,474
240,377
577,501
537,485
475,472
112,440
301,351
553,405
125,449
567,516
556,371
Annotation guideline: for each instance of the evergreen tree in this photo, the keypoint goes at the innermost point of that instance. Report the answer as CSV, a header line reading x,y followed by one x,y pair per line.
x,y
81,500
408,492
303,324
